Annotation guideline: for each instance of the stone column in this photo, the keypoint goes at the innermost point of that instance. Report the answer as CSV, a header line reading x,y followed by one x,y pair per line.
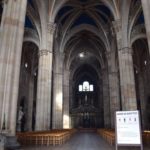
x,y
106,100
126,72
113,86
146,11
127,81
72,120
99,120
66,115
12,29
57,122
142,98
30,104
114,95
43,106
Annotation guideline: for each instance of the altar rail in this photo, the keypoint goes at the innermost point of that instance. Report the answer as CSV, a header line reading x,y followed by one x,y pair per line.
x,y
52,137
109,136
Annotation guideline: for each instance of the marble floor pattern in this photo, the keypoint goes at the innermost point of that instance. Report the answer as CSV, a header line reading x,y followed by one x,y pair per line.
x,y
83,141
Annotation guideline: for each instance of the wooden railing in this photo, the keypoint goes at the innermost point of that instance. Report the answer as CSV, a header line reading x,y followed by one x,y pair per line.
x,y
53,137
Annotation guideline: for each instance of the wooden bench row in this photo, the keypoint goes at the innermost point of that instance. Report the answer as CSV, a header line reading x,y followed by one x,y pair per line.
x,y
146,137
109,136
53,137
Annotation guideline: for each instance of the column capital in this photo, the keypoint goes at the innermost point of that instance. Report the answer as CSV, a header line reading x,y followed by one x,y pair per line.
x,y
44,52
126,50
116,25
115,72
51,27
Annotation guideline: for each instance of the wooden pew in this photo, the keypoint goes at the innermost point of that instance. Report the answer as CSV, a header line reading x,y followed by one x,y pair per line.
x,y
146,137
108,135
53,137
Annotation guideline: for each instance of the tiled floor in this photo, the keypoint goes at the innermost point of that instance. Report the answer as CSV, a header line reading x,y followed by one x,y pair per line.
x,y
83,141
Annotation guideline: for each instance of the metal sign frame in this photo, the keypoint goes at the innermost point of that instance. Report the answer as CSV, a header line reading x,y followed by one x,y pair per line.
x,y
116,140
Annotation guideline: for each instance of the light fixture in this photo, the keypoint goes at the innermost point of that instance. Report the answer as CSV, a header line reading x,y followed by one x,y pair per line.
x,y
26,65
81,55
145,62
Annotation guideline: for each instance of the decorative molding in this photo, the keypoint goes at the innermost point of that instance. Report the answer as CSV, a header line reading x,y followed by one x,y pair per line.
x,y
126,50
44,52
51,27
114,73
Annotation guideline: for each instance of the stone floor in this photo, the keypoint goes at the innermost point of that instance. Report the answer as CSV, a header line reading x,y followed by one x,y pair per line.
x,y
83,141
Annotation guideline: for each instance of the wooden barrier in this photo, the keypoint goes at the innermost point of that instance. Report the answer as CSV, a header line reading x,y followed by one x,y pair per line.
x,y
109,136
53,137
146,137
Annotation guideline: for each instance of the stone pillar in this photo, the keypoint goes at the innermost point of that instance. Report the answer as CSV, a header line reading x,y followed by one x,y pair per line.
x,y
106,100
57,122
146,11
100,117
142,99
127,81
66,115
113,86
30,104
71,85
126,72
12,29
114,95
2,142
43,106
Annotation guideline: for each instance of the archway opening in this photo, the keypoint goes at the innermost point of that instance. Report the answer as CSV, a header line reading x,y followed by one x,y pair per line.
x,y
142,76
27,88
86,105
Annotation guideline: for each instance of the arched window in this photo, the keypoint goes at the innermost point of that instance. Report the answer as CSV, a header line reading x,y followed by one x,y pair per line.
x,y
86,87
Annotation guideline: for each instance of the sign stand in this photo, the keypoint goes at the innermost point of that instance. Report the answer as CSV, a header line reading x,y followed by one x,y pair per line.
x,y
128,129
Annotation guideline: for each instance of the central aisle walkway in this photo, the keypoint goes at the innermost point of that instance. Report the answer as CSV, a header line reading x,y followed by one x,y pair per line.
x,y
81,141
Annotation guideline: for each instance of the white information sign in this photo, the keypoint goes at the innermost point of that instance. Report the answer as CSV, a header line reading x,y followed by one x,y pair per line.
x,y
128,128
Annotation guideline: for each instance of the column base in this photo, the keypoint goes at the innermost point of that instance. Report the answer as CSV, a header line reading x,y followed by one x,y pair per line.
x,y
9,143
2,142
